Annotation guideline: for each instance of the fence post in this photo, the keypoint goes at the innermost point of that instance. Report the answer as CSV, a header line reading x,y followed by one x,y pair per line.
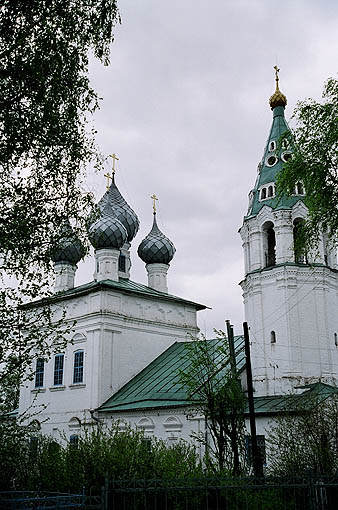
x,y
104,494
312,495
83,499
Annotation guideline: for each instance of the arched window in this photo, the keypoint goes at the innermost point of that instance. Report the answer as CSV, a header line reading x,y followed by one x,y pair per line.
x,y
58,369
269,244
263,193
270,191
39,373
300,188
78,367
273,337
272,145
335,339
300,256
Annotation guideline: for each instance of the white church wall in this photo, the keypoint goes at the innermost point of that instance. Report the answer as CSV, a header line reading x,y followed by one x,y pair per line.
x,y
120,335
300,305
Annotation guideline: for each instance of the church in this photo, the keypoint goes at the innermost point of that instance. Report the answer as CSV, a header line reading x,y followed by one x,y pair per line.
x,y
127,347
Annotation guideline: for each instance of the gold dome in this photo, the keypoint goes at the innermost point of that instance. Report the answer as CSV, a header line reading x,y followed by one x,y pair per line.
x,y
277,98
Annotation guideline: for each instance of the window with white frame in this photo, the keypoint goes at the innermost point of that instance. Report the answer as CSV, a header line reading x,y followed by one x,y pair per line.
x,y
78,367
39,373
58,369
266,192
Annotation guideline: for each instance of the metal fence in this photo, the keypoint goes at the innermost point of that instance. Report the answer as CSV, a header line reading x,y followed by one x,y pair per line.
x,y
28,500
303,493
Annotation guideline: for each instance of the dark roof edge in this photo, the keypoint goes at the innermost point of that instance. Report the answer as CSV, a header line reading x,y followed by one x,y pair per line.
x,y
93,286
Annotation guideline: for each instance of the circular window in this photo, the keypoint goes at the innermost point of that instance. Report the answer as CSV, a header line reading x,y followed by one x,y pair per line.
x,y
271,160
286,156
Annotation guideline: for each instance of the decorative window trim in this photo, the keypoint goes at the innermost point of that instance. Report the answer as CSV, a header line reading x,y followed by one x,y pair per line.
x,y
78,338
57,388
78,367
77,386
285,156
272,146
146,424
39,373
271,160
264,191
74,423
299,189
58,373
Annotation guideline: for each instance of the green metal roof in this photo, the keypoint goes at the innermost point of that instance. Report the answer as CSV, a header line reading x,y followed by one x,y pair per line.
x,y
158,385
292,403
123,285
269,173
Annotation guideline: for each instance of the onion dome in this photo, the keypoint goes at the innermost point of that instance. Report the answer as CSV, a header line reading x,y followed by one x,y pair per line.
x,y
277,98
107,231
156,248
121,209
69,248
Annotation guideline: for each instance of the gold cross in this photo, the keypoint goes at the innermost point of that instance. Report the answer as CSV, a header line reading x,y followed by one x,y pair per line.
x,y
154,198
276,74
115,158
108,177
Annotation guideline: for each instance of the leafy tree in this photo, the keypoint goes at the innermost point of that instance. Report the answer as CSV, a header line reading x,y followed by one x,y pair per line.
x,y
306,437
34,462
214,391
45,144
315,164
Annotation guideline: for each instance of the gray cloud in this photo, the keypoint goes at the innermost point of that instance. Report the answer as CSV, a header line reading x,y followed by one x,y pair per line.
x,y
185,106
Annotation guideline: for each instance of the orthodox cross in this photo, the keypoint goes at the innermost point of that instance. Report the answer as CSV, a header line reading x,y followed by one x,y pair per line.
x,y
154,198
108,177
276,75
115,158
111,177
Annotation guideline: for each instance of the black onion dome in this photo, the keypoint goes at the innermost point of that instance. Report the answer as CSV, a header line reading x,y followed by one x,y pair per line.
x,y
107,231
122,210
156,248
69,248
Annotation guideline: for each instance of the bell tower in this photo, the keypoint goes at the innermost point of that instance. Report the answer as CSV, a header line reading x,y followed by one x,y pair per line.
x,y
290,299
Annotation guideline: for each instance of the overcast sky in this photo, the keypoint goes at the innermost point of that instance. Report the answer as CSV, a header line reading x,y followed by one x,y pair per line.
x,y
185,107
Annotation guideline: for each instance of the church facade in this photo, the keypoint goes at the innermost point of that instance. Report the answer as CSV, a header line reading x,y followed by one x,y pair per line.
x,y
128,346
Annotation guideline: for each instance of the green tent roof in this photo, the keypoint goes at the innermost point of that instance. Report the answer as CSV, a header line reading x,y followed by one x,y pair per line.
x,y
267,173
158,385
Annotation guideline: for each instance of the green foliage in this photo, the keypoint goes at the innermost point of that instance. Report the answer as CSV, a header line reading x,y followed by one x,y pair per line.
x,y
46,465
45,144
306,439
215,392
315,164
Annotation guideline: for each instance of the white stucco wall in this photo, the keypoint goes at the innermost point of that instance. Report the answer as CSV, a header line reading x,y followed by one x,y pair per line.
x,y
120,334
298,302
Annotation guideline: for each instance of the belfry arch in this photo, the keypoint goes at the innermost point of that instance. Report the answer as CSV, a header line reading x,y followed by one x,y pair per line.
x,y
269,244
300,256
